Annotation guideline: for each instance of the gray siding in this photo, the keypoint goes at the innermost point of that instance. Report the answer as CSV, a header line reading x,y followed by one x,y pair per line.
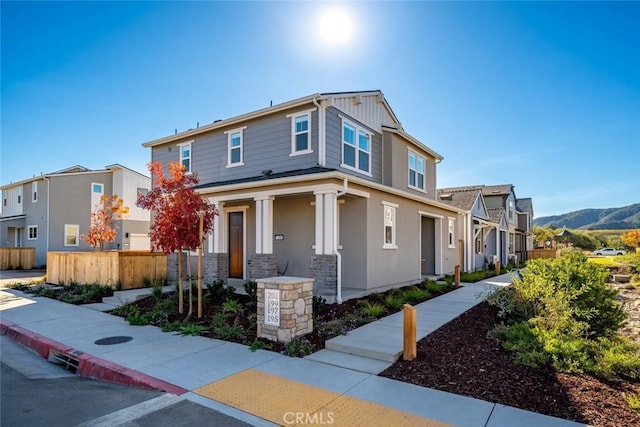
x,y
36,215
266,145
396,162
71,204
294,218
334,146
354,239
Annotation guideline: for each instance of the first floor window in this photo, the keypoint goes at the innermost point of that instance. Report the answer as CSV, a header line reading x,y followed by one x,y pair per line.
x,y
452,233
512,239
389,225
479,245
33,232
71,234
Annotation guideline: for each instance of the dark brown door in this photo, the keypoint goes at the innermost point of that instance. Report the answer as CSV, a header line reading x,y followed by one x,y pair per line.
x,y
236,240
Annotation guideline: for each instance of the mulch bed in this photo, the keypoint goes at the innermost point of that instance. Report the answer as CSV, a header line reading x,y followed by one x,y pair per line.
x,y
459,358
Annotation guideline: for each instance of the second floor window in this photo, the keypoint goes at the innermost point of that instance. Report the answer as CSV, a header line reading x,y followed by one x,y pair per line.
x,y
34,191
235,155
185,156
356,148
300,133
416,171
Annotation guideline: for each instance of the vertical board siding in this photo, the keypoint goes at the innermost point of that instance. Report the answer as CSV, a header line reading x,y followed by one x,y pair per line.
x,y
129,269
369,110
21,258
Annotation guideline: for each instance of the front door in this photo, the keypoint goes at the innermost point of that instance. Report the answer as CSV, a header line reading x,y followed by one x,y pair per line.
x,y
19,237
236,245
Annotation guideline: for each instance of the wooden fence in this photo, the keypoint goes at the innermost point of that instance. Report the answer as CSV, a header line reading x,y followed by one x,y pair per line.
x,y
129,268
17,258
543,253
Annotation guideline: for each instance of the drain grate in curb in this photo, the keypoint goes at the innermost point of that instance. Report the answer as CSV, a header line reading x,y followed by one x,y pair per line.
x,y
113,340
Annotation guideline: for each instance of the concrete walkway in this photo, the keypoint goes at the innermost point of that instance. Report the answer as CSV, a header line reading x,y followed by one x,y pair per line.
x,y
182,365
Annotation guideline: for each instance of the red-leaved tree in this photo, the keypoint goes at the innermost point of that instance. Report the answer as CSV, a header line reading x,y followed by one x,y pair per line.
x,y
177,212
103,228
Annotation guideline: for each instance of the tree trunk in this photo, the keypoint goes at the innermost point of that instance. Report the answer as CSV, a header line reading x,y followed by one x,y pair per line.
x,y
190,285
180,288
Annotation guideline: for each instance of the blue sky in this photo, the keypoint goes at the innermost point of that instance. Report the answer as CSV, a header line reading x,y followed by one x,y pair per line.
x,y
542,95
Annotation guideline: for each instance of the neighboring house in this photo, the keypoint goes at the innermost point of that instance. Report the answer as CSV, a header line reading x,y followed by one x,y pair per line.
x,y
50,212
329,186
512,220
479,248
524,227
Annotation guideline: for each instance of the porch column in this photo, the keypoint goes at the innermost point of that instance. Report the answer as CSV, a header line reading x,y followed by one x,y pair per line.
x,y
326,205
264,225
219,229
498,248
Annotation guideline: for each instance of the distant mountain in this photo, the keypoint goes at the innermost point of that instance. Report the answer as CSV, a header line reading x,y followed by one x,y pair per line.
x,y
597,219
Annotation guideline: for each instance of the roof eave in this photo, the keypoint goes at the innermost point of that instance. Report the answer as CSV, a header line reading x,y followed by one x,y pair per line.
x,y
231,121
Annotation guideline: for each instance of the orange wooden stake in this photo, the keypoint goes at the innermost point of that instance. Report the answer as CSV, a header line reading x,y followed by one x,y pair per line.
x,y
457,275
409,330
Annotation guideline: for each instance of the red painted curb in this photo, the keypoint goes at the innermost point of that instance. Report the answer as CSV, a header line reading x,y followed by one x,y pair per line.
x,y
89,366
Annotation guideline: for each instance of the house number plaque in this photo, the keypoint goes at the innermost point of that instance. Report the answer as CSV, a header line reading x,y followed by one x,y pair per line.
x,y
272,307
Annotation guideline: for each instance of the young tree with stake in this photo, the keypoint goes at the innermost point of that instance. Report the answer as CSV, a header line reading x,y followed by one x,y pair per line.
x,y
178,212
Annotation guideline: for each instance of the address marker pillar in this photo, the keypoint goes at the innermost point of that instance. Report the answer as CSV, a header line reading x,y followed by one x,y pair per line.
x,y
285,308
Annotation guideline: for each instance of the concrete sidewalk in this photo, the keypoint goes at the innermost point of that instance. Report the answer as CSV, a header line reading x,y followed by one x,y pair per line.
x,y
186,365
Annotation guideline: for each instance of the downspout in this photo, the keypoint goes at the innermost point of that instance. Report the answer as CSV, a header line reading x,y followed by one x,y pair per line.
x,y
335,246
321,134
48,204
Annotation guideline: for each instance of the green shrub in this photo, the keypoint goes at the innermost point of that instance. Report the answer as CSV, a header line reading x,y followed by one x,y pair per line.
x,y
618,358
298,347
634,403
231,306
476,276
374,310
192,329
233,332
522,340
435,288
260,345
251,288
393,302
318,304
413,295
216,291
511,306
449,281
135,317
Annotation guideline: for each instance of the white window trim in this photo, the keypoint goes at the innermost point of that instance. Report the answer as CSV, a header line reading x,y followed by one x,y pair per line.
x,y
101,187
229,133
29,228
34,192
357,128
451,233
293,117
424,172
77,228
180,158
394,243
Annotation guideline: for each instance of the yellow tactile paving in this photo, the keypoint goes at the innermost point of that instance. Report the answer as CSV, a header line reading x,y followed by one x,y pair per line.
x,y
286,402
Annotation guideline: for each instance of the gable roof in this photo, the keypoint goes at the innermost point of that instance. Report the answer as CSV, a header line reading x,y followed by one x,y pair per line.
x,y
463,199
495,214
525,205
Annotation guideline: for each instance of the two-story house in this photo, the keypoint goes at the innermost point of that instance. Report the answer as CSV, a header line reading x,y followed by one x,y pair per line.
x,y
510,235
50,212
480,244
328,186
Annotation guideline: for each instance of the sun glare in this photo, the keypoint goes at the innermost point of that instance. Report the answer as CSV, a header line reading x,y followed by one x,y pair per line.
x,y
335,27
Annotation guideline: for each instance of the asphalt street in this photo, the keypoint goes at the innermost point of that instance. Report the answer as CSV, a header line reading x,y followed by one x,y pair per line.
x,y
35,392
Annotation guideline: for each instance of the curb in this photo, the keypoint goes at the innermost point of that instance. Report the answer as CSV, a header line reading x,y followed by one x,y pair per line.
x,y
88,366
